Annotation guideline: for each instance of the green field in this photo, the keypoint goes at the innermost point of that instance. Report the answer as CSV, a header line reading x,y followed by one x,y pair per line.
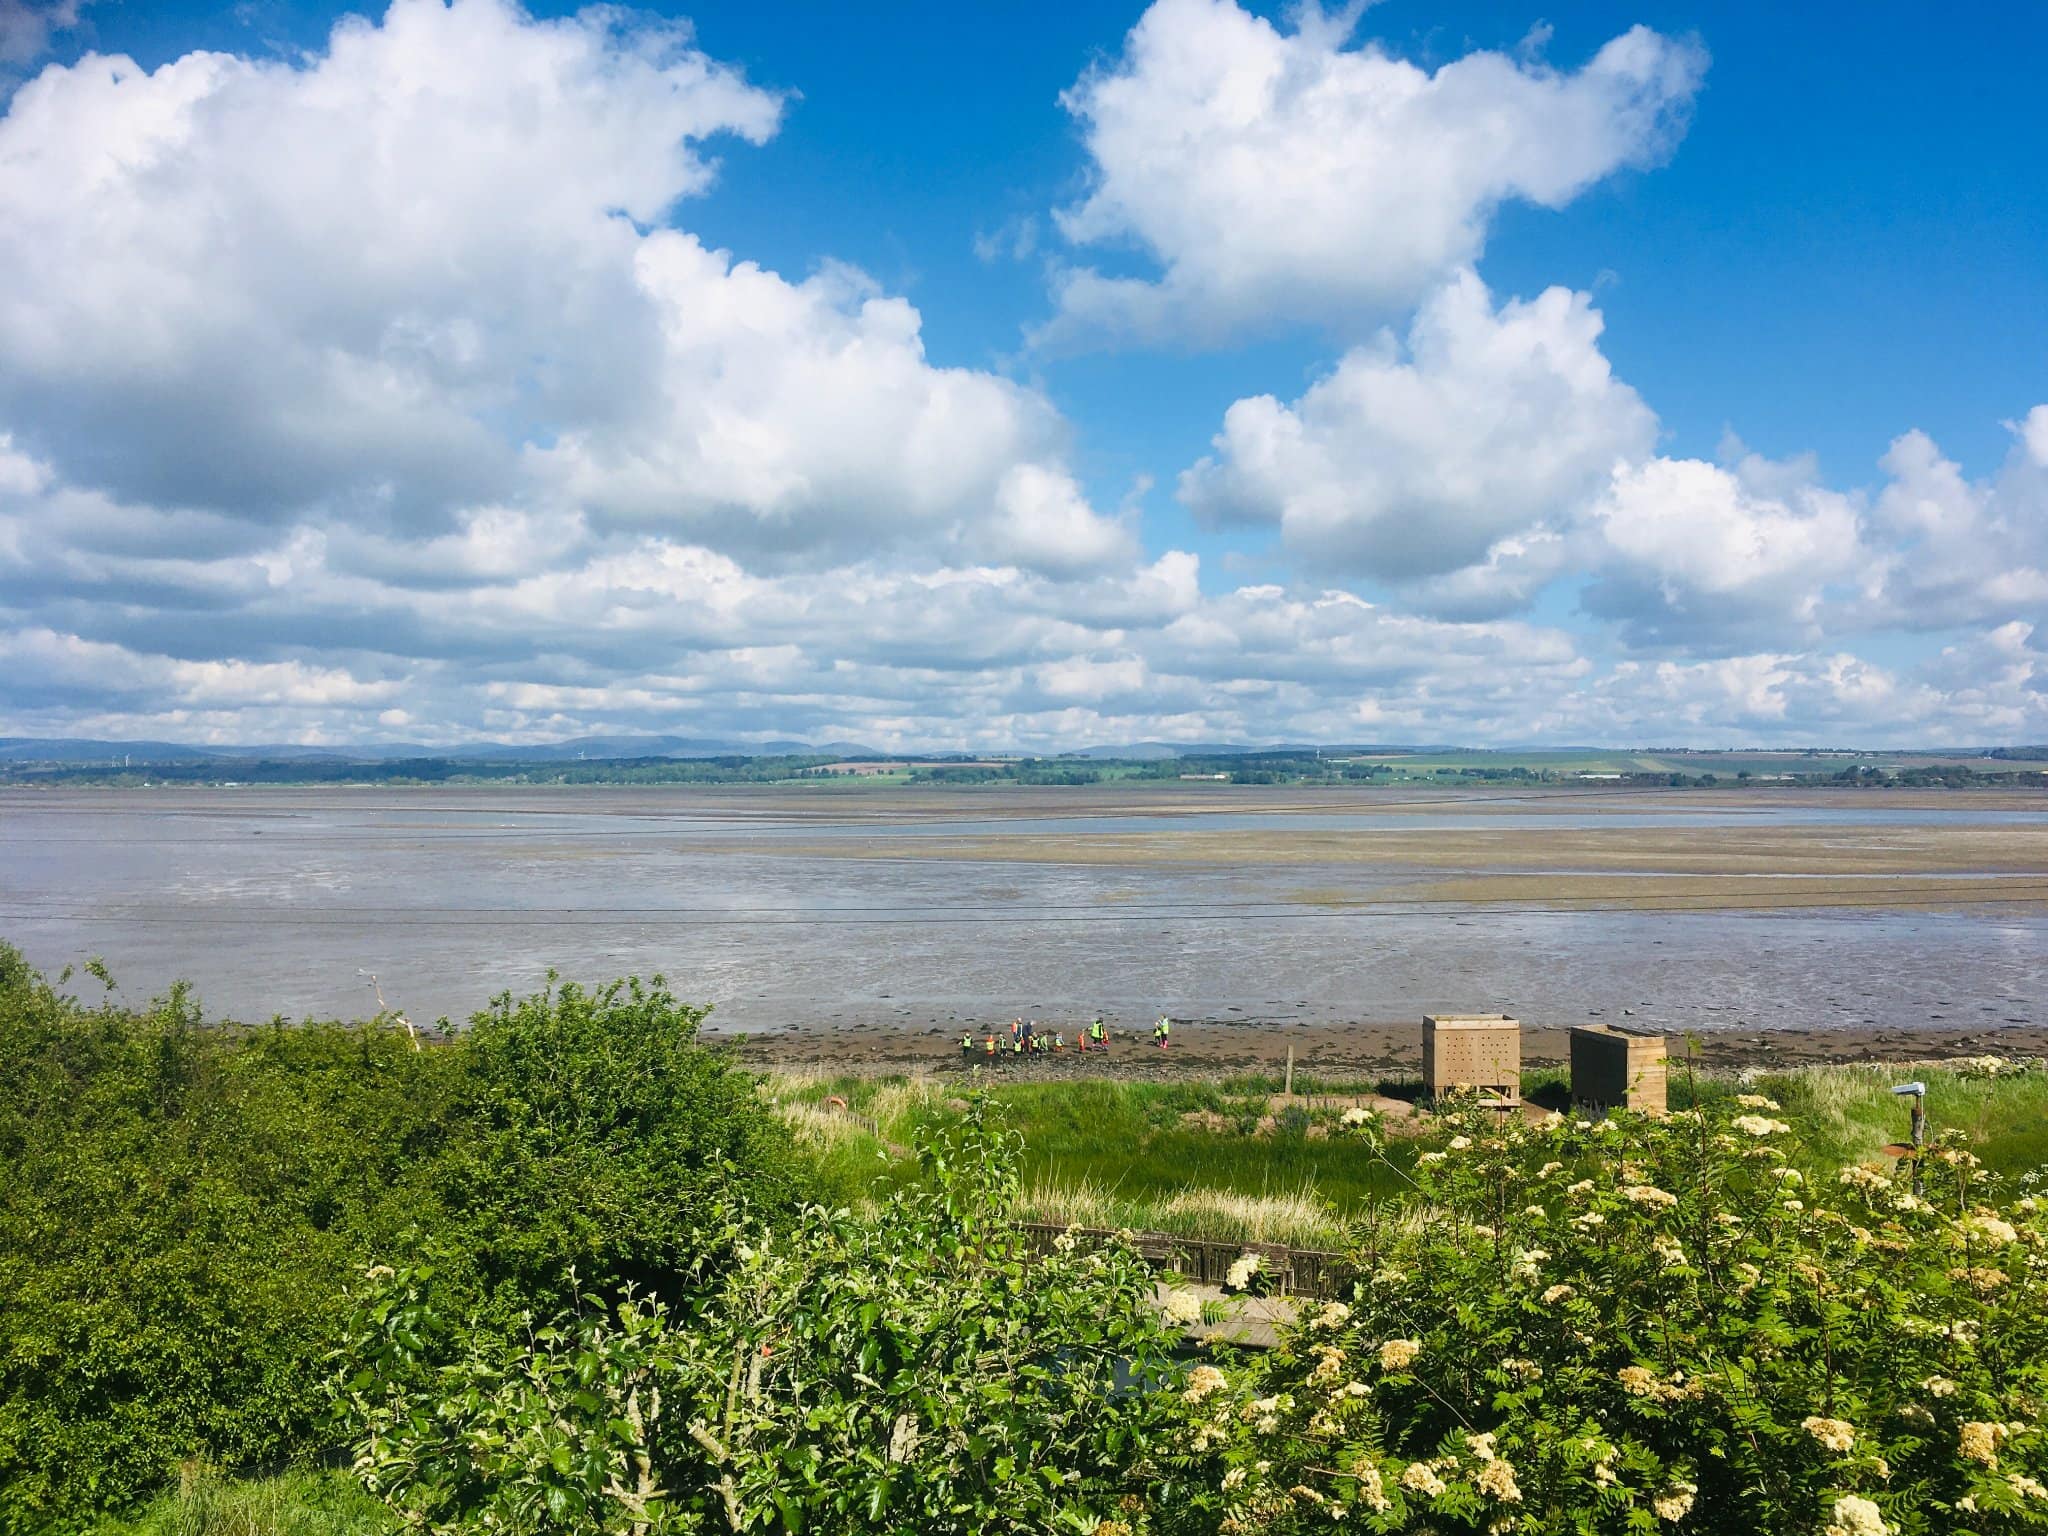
x,y
1229,1159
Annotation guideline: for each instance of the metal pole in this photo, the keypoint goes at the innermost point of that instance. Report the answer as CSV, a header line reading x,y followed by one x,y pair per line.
x,y
1917,1092
1919,1140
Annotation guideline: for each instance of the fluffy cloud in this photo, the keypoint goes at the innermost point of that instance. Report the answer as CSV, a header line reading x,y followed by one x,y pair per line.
x,y
1958,551
421,273
1284,176
1705,554
1405,466
259,286
804,419
1722,557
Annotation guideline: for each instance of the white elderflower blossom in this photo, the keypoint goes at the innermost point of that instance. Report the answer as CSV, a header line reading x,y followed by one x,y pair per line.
x,y
1420,1477
1497,1481
1857,1516
1639,1381
1183,1308
1244,1270
1648,1194
1991,1229
1558,1293
1371,1491
1675,1502
1459,1143
1203,1381
1837,1435
1980,1442
1332,1315
1399,1354
1756,1101
1759,1125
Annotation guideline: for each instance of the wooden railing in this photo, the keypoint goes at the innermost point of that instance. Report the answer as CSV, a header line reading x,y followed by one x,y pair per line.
x,y
1316,1272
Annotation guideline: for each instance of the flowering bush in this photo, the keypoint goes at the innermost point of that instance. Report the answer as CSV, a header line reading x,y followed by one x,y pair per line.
x,y
1641,1324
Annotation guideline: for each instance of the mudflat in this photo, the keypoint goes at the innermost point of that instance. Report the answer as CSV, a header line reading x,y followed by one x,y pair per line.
x,y
854,920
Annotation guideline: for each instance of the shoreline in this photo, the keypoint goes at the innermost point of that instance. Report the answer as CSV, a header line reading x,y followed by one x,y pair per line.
x,y
1214,1047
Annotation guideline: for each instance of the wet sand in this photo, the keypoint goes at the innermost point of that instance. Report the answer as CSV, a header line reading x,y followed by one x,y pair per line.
x,y
863,919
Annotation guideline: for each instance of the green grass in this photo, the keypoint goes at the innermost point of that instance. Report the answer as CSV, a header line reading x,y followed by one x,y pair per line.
x,y
1847,1113
1206,1158
289,1504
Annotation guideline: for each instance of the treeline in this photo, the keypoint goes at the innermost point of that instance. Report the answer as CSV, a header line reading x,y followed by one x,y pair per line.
x,y
1247,768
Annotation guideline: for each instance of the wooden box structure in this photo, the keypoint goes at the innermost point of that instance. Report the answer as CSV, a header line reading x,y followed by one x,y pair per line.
x,y
1479,1051
1617,1069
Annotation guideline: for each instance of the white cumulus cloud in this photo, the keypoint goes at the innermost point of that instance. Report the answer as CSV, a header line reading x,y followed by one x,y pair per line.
x,y
1405,464
429,270
1281,175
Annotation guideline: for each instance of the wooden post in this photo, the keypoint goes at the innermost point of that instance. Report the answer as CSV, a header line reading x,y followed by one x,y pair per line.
x,y
1290,1071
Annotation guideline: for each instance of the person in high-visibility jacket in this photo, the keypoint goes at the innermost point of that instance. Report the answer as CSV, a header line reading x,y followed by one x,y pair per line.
x,y
966,1042
1161,1030
989,1046
1098,1034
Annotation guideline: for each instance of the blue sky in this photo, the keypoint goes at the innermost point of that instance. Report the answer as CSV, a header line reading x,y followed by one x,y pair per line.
x,y
1760,467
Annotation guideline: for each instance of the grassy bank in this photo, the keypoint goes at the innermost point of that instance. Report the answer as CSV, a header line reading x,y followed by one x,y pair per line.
x,y
1234,1159
290,1504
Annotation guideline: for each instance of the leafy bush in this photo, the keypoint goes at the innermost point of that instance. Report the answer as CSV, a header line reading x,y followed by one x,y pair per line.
x,y
591,1132
185,1203
919,1372
179,1207
1640,1325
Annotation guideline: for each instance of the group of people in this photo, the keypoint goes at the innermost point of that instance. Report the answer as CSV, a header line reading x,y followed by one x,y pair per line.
x,y
1028,1038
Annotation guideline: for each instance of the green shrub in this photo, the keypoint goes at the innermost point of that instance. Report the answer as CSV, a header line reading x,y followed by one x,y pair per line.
x,y
919,1372
184,1205
1647,1325
178,1208
590,1132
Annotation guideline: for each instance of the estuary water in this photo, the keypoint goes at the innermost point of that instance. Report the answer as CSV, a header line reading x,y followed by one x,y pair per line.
x,y
280,901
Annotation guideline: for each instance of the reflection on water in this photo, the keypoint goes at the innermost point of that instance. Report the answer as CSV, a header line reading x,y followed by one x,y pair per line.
x,y
272,902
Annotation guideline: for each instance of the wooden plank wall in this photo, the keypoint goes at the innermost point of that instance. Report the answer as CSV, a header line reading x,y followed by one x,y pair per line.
x,y
1316,1272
